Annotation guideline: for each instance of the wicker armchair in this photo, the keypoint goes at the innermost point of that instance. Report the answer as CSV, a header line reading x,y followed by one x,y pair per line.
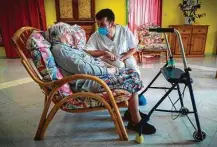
x,y
150,43
50,89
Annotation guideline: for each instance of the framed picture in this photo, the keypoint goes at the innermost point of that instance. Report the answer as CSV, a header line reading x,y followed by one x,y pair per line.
x,y
1,38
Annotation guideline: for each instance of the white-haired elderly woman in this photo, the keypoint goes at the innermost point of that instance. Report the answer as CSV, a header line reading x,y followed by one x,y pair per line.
x,y
72,60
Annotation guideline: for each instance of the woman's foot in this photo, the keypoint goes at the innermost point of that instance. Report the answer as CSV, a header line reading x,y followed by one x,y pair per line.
x,y
147,129
127,115
142,100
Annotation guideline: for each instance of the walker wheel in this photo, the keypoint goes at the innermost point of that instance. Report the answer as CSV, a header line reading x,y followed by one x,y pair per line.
x,y
184,111
199,137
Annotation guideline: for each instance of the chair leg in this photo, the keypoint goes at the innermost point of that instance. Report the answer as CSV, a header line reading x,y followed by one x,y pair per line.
x,y
43,116
45,99
49,119
46,121
118,122
122,127
117,126
39,129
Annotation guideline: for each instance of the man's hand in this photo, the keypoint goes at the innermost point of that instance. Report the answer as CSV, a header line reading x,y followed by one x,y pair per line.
x,y
109,55
128,54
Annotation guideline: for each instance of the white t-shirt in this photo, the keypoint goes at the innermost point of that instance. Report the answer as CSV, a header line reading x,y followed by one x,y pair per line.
x,y
122,42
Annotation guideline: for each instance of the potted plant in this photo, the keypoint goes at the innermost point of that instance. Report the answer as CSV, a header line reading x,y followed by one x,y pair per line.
x,y
189,8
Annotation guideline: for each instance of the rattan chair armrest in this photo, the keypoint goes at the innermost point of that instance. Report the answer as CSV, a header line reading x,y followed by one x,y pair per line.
x,y
68,79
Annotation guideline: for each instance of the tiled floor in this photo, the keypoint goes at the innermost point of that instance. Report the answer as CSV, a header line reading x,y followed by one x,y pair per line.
x,y
21,104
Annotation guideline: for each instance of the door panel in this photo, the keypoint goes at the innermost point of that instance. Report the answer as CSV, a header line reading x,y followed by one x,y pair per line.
x,y
197,44
186,39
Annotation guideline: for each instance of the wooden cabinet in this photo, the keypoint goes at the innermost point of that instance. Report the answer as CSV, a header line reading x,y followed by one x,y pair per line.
x,y
80,12
193,38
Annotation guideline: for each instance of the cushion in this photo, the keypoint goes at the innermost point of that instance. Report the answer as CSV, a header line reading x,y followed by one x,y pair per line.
x,y
81,102
150,40
79,36
77,32
44,61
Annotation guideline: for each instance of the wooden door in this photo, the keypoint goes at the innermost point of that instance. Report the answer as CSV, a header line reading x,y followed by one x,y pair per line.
x,y
197,44
186,39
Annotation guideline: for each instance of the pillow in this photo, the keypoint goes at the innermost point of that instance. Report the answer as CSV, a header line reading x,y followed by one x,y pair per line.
x,y
79,36
44,61
77,32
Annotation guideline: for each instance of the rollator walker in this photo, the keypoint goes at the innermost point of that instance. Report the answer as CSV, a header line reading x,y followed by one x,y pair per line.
x,y
175,76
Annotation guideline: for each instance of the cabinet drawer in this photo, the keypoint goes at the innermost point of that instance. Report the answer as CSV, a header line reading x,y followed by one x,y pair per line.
x,y
199,30
184,30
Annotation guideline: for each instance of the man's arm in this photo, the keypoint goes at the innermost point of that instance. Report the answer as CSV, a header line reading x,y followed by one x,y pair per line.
x,y
132,44
128,54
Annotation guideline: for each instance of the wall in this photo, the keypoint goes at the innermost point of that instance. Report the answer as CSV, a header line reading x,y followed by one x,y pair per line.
x,y
118,6
172,15
2,52
50,11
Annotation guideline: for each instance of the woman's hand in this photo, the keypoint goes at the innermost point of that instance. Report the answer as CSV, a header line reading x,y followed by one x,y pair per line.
x,y
109,55
112,70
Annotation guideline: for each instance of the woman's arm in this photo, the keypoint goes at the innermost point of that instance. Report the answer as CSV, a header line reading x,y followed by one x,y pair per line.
x,y
95,53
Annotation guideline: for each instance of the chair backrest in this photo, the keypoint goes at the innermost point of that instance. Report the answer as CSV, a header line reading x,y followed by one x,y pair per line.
x,y
19,40
146,37
42,58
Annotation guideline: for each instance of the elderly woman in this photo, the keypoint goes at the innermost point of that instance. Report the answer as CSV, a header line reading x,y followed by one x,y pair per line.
x,y
71,59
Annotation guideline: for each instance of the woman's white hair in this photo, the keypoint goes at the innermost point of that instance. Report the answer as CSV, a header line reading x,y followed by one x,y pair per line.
x,y
56,31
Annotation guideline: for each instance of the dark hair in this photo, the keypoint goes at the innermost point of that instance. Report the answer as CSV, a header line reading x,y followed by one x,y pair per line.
x,y
105,13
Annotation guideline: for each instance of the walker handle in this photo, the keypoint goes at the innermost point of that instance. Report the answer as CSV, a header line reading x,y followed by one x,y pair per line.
x,y
162,30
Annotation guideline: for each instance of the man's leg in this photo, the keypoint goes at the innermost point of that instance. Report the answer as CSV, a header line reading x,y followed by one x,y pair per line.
x,y
131,63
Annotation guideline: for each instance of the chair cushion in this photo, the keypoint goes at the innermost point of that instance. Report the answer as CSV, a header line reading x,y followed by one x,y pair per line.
x,y
150,40
79,36
44,61
81,102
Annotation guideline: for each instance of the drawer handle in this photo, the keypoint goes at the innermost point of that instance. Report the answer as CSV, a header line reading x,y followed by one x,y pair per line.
x,y
199,31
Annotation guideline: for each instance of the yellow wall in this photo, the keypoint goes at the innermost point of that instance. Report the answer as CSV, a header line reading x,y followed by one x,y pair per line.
x,y
173,15
2,52
118,7
50,11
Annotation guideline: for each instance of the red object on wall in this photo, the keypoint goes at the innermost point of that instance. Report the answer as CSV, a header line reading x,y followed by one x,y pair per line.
x,y
15,14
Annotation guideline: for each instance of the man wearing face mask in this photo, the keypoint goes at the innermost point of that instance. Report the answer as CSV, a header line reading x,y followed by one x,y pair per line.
x,y
113,42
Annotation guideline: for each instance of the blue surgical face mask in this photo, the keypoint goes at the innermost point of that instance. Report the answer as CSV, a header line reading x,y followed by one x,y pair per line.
x,y
103,31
